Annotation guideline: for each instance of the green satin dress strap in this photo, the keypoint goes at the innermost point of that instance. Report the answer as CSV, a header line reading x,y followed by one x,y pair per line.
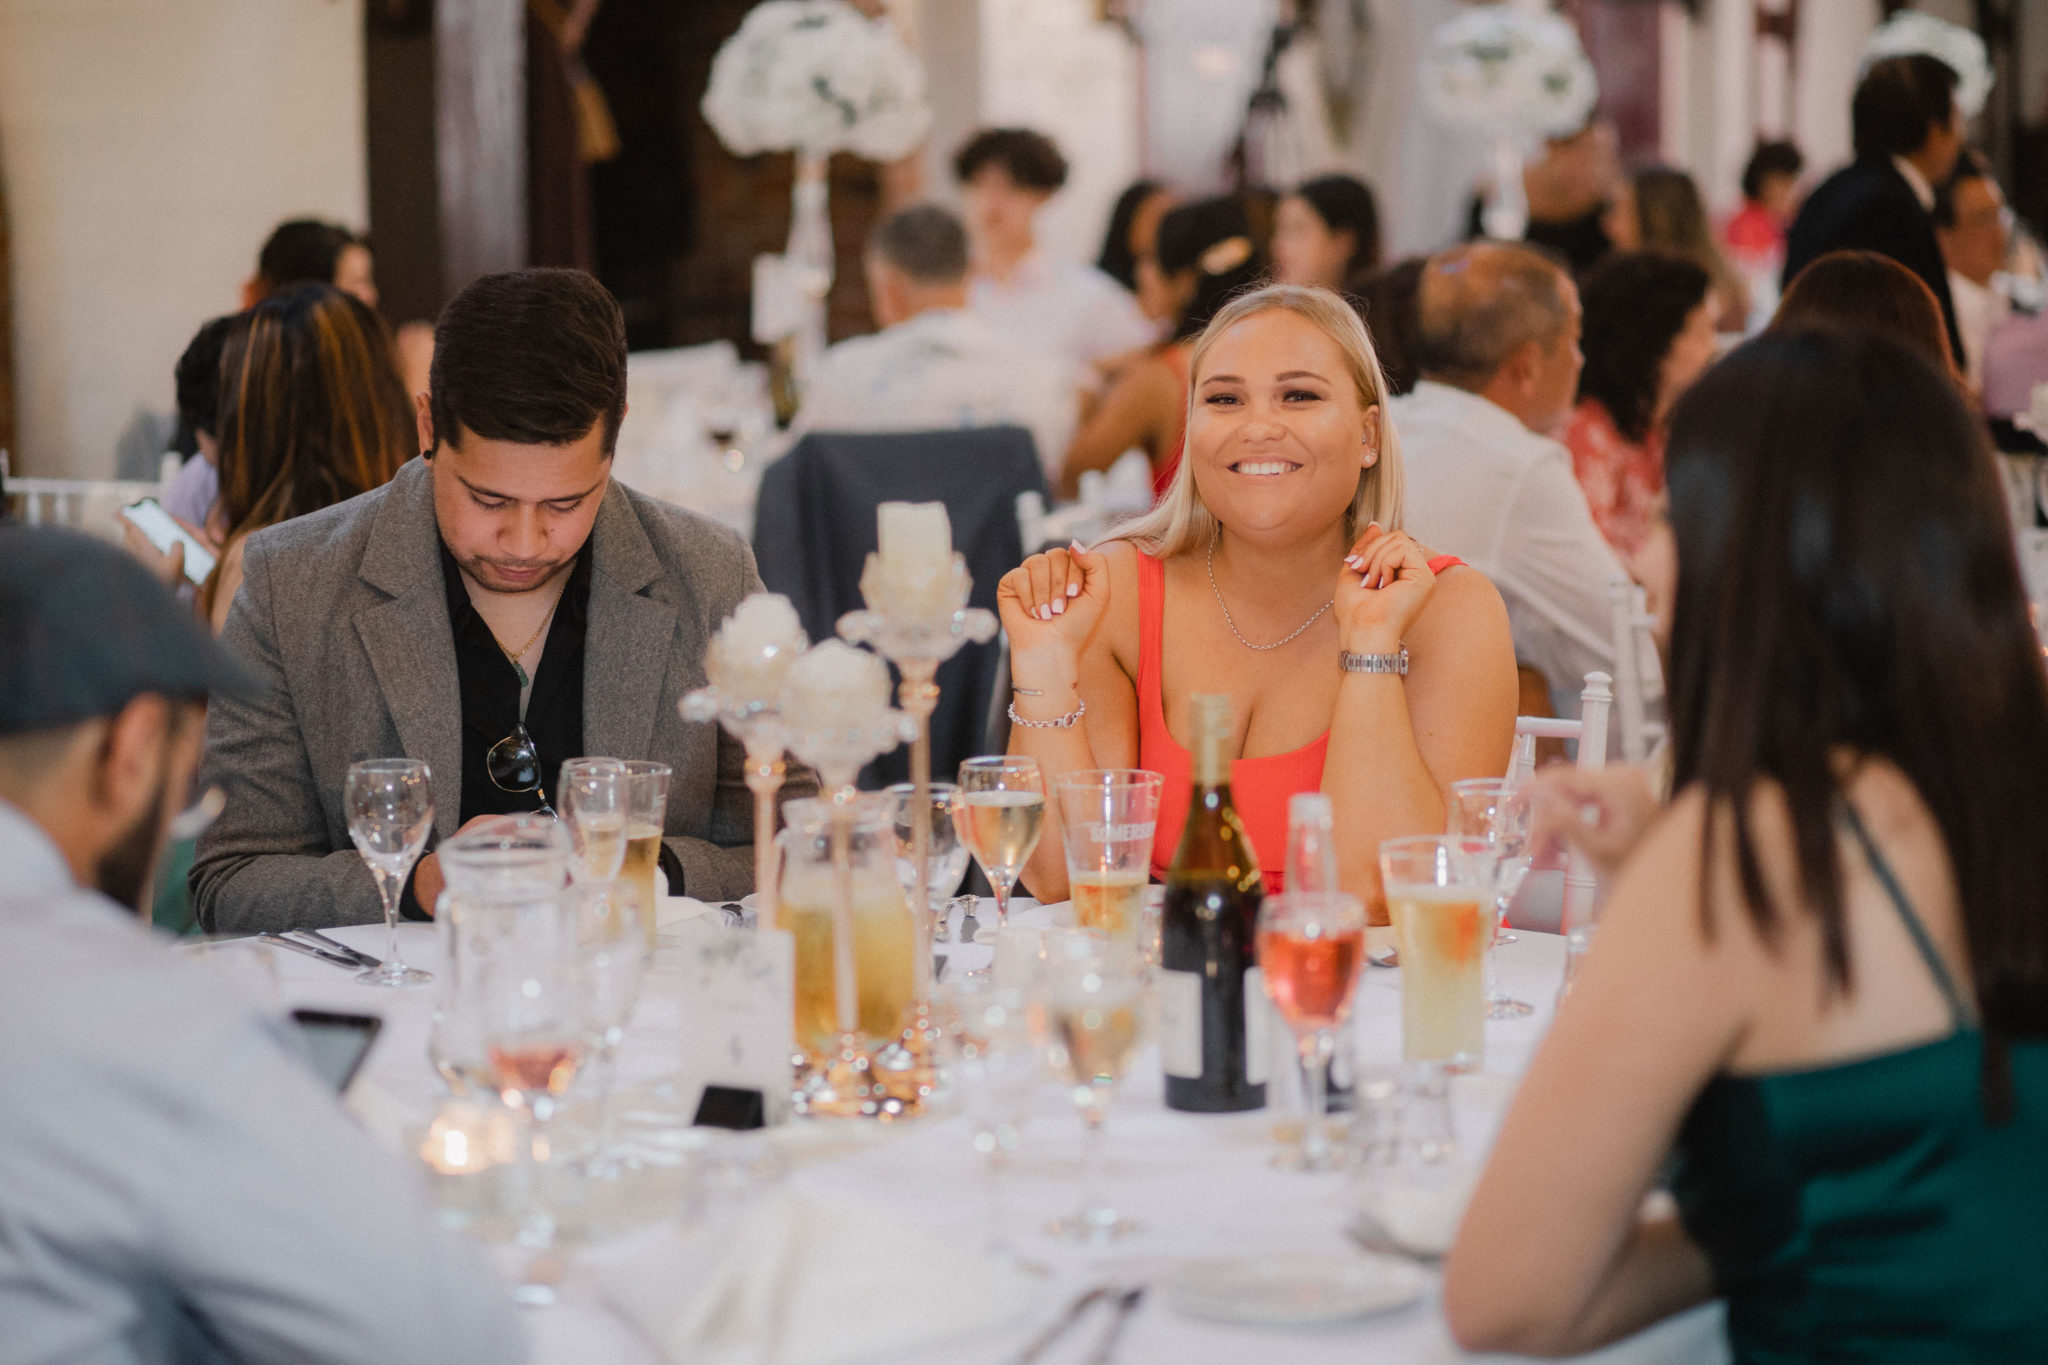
x,y
1869,1210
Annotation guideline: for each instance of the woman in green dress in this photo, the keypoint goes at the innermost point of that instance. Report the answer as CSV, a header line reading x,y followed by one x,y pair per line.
x,y
1819,993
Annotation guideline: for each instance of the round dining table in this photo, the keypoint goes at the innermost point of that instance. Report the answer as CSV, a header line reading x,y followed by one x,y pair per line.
x,y
1197,1186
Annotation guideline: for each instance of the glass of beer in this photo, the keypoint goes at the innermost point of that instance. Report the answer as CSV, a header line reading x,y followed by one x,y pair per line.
x,y
1107,819
1000,816
646,817
1439,891
1311,947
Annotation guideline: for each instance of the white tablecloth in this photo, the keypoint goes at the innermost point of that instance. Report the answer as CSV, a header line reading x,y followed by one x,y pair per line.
x,y
1199,1185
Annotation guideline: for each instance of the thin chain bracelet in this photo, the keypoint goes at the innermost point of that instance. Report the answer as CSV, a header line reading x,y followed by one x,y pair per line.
x,y
1066,722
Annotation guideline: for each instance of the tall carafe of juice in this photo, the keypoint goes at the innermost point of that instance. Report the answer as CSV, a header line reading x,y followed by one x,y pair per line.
x,y
1211,1015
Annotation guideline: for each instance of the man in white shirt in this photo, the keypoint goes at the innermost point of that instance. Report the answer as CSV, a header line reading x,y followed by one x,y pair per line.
x,y
1063,307
175,1182
1974,228
1486,479
934,364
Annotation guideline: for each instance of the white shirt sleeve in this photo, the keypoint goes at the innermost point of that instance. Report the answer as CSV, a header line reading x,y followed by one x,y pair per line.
x,y
1554,573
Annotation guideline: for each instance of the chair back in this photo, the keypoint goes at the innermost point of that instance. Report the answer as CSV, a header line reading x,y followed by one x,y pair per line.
x,y
92,505
814,528
1638,681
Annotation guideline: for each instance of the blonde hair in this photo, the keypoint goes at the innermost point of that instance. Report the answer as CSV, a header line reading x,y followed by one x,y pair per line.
x,y
1182,521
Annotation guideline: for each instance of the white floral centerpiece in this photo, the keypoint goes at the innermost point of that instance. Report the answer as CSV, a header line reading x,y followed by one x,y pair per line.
x,y
812,77
1911,32
1513,73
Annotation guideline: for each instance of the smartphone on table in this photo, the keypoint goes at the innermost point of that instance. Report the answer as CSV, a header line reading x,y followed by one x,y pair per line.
x,y
162,530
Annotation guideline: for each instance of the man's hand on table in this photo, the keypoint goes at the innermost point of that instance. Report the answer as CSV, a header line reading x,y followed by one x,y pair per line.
x,y
427,880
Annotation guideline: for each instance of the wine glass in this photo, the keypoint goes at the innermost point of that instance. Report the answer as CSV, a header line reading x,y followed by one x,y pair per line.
x,y
390,805
610,953
1489,808
1092,997
530,994
1000,816
945,856
1311,947
992,1065
594,801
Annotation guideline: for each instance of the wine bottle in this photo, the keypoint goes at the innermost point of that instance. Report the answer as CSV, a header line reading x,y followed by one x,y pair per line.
x,y
1312,866
1212,1016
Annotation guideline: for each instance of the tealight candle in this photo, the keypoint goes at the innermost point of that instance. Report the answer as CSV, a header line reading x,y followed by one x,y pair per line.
x,y
753,651
915,538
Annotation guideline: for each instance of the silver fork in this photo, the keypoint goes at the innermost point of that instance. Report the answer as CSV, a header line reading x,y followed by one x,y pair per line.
x,y
336,945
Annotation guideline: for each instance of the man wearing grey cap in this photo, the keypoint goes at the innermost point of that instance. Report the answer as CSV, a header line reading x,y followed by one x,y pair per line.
x,y
175,1182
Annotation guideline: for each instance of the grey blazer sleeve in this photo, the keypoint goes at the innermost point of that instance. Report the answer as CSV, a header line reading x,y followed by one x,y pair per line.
x,y
268,862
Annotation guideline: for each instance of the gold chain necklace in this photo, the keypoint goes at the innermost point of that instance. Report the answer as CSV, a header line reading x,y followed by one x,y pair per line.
x,y
515,658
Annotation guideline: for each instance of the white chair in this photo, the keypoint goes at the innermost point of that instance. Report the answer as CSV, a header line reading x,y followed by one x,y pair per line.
x,y
92,505
1086,520
1590,732
1637,683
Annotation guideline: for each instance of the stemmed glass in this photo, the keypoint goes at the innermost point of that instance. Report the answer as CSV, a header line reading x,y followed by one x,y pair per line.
x,y
1311,947
390,805
1000,816
1092,996
992,1065
530,994
1489,808
610,954
594,806
945,856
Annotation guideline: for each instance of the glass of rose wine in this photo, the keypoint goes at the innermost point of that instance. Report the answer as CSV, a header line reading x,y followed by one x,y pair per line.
x,y
1092,998
1311,946
1000,816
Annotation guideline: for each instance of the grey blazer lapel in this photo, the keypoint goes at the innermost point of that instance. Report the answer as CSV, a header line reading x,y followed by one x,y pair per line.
x,y
409,641
630,637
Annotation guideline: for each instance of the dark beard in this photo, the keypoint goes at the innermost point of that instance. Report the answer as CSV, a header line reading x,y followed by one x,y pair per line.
x,y
123,871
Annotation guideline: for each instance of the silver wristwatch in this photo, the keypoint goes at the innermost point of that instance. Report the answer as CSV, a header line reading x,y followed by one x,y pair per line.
x,y
1374,663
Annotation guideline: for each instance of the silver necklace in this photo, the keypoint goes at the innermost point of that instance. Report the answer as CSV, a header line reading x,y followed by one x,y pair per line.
x,y
1233,625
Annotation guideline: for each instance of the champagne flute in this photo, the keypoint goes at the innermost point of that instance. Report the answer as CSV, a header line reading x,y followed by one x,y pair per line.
x,y
1092,998
610,954
1311,947
945,856
1000,816
390,806
533,1029
1489,808
594,801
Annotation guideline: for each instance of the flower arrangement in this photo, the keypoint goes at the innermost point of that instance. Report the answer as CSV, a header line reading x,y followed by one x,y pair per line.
x,y
1910,32
1509,69
816,76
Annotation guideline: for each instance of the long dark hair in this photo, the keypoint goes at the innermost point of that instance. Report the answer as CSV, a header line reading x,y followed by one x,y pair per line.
x,y
1636,304
1212,238
1345,204
1847,582
1118,260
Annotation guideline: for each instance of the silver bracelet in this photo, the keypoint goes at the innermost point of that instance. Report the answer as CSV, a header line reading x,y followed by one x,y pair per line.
x,y
1066,722
1374,663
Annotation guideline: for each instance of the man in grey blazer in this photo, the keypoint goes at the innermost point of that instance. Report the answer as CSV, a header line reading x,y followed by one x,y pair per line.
x,y
500,606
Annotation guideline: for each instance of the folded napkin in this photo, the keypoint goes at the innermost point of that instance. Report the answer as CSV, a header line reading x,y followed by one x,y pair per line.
x,y
675,910
794,1280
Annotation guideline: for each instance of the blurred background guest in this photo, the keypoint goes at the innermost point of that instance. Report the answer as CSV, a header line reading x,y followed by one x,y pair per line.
x,y
1659,209
934,364
1648,334
1907,133
193,495
1974,227
1819,1005
306,250
1568,189
1861,291
1754,235
1386,299
1327,234
312,414
1205,256
1133,231
1064,307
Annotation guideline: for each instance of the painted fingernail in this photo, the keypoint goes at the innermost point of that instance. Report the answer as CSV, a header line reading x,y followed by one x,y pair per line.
x,y
1045,613
1353,560
1077,547
1059,606
1073,589
1372,526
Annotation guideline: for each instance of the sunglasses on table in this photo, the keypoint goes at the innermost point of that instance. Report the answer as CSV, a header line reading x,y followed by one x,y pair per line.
x,y
514,766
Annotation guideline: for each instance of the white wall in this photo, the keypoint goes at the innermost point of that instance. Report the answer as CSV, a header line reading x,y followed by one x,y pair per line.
x,y
148,147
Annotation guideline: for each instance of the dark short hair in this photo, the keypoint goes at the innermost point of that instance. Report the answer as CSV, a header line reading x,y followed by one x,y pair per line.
x,y
1480,302
1118,260
1769,159
1899,103
1636,304
1861,291
1028,157
1971,165
536,357
197,377
1387,301
1345,204
923,241
303,250
1212,238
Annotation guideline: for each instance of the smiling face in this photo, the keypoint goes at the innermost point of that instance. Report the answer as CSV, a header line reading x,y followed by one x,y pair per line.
x,y
1278,433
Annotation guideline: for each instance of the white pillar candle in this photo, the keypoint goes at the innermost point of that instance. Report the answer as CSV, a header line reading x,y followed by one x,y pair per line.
x,y
915,538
